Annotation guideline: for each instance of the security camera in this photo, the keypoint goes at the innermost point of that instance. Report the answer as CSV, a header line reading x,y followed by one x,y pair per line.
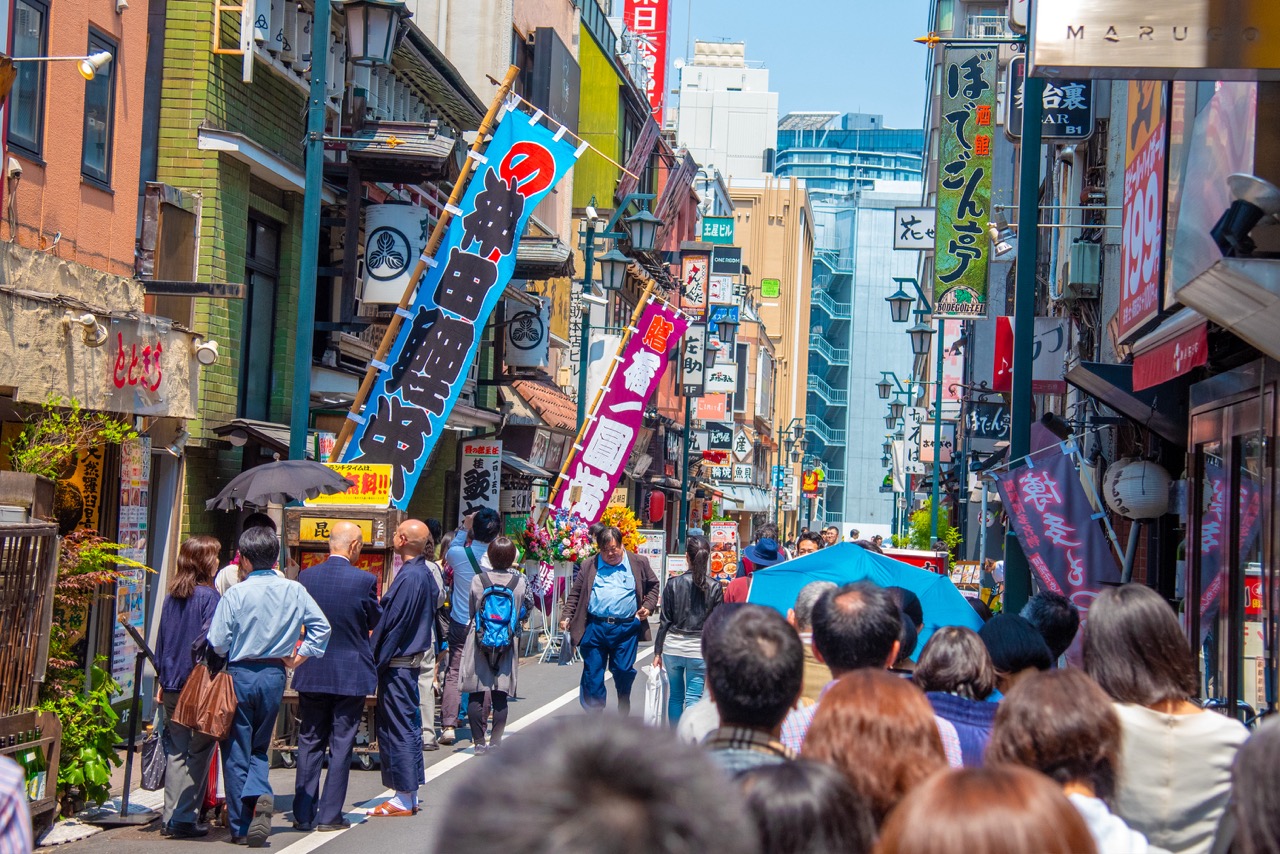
x,y
591,213
14,169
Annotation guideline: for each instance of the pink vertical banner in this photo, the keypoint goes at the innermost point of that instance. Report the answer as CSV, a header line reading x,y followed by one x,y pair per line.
x,y
597,464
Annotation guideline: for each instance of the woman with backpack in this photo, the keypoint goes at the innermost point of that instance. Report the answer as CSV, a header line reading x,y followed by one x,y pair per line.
x,y
491,658
686,602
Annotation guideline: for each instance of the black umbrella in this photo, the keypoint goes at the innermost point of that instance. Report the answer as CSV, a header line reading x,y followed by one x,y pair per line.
x,y
279,483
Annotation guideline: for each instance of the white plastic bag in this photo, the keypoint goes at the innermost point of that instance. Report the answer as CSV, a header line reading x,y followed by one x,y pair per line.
x,y
655,695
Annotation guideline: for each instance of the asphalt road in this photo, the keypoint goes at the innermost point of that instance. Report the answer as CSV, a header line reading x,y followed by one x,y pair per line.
x,y
545,690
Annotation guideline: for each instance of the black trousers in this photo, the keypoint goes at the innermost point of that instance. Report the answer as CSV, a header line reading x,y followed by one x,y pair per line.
x,y
325,721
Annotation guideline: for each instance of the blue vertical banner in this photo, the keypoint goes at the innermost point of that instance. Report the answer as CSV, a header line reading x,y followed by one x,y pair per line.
x,y
418,386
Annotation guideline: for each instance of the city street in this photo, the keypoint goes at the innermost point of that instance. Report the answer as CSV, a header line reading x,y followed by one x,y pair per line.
x,y
545,690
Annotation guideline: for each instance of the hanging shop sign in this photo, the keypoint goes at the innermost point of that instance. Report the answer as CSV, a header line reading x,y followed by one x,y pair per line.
x,y
1067,106
915,228
395,235
527,334
948,442
480,469
1142,241
717,229
712,407
693,283
727,260
1171,359
141,366
693,361
650,21
720,290
370,485
617,418
913,420
719,437
1048,355
432,355
743,473
961,247
723,378
1139,39
809,483
742,447
988,421
771,288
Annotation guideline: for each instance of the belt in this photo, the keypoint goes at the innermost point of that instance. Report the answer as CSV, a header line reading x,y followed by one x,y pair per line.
x,y
278,662
611,621
414,660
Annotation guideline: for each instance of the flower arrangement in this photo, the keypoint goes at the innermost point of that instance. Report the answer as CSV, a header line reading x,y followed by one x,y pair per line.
x,y
560,538
624,520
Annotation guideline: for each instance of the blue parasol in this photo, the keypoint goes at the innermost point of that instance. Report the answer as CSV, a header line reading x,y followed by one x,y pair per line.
x,y
943,605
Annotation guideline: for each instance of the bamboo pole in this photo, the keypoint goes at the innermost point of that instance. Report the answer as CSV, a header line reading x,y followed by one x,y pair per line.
x,y
608,379
433,244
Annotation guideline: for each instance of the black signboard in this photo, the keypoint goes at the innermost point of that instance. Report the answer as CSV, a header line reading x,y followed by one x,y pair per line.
x,y
726,261
988,421
719,436
1068,106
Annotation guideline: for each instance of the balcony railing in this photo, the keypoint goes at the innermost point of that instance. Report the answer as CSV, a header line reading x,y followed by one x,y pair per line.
x,y
833,355
833,396
989,26
828,435
835,310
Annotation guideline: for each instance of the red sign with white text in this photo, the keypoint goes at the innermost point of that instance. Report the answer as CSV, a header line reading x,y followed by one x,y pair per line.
x,y
1143,235
650,21
1002,367
1171,359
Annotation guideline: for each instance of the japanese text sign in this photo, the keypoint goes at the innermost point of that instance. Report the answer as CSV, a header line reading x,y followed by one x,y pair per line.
x,y
650,21
914,419
723,378
988,421
720,436
712,407
597,464
481,473
1050,512
1067,106
370,485
717,229
948,442
1048,355
693,362
425,370
1142,240
961,247
694,267
914,228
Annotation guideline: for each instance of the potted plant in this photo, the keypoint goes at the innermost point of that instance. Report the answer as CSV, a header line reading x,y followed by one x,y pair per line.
x,y
88,742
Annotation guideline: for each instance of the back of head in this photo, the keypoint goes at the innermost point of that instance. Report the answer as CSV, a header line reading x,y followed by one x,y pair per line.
x,y
1256,791
197,564
879,730
343,536
856,626
1055,617
806,807
595,785
767,531
260,547
955,661
1135,649
485,525
436,529
257,520
909,603
502,553
755,667
1014,644
806,599
1061,724
994,810
979,607
716,621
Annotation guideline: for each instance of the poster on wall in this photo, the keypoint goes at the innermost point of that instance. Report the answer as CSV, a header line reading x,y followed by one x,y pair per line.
x,y
693,283
131,591
1142,241
724,550
480,468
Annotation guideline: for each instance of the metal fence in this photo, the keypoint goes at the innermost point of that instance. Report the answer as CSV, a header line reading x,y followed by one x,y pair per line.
x,y
28,569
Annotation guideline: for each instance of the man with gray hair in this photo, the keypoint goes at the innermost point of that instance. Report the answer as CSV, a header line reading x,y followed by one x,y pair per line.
x,y
816,674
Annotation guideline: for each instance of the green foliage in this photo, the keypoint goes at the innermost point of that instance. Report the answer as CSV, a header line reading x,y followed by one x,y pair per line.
x,y
918,533
61,429
88,736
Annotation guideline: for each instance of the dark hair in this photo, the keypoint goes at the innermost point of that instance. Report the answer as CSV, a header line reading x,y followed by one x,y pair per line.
x,y
979,607
755,667
257,520
260,547
595,785
197,564
1014,644
608,534
996,810
955,661
806,807
1055,617
1135,649
909,602
502,553
1061,724
716,620
485,525
698,551
811,537
907,640
880,731
1256,791
832,528
767,531
856,626
436,529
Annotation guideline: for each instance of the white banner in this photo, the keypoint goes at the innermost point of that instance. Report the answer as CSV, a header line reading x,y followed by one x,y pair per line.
x,y
528,335
481,472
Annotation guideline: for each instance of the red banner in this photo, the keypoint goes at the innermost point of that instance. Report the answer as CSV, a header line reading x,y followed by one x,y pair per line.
x,y
596,465
650,22
1142,238
1171,359
1002,369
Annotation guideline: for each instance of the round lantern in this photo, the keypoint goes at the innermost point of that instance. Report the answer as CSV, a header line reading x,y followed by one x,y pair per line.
x,y
1137,489
657,506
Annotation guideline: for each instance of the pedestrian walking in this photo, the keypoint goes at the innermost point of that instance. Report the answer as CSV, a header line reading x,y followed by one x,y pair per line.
x,y
403,633
332,690
816,673
233,572
1256,791
805,807
762,553
490,660
431,655
687,601
1016,647
467,556
184,629
257,625
607,614
957,676
1056,619
15,814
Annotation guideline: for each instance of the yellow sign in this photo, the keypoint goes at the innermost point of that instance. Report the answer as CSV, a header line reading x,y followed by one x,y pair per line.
x,y
312,530
370,485
619,497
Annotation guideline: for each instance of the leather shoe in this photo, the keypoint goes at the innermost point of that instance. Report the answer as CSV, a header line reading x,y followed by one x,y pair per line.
x,y
260,824
340,824
184,830
238,840
303,826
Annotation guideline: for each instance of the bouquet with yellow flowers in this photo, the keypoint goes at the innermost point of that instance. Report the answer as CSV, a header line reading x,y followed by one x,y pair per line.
x,y
625,521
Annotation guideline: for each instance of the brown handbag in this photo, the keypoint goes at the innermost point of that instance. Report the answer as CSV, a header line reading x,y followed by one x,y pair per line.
x,y
207,703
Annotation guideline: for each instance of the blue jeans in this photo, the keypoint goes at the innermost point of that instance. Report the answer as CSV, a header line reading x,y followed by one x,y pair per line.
x,y
685,676
611,647
246,751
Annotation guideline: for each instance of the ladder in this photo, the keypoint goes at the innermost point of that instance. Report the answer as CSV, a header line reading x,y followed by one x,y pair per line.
x,y
245,49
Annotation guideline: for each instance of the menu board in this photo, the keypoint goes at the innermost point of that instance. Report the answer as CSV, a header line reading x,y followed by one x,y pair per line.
x,y
724,550
131,590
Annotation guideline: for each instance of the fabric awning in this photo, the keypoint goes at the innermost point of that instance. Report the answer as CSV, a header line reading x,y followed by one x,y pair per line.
x,y
1176,346
747,499
1162,409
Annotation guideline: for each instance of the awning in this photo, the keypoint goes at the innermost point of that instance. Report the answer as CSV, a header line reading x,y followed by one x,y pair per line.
x,y
1241,295
1176,346
270,435
263,164
1162,409
524,467
747,499
541,258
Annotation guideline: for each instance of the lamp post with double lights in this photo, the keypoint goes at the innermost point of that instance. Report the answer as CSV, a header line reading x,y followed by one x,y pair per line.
x,y
791,444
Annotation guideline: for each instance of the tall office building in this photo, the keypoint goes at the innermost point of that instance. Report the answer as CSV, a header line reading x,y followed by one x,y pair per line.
x,y
728,117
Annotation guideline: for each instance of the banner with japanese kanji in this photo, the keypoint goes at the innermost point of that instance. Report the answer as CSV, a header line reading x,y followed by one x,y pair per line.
x,y
1065,545
596,465
427,366
1215,528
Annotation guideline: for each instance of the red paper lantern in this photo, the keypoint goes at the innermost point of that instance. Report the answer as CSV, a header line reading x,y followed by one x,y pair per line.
x,y
657,506
707,511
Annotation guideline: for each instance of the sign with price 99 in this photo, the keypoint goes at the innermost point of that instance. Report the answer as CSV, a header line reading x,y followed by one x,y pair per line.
x,y
1143,236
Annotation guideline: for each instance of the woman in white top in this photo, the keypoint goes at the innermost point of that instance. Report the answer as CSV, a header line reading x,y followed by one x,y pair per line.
x,y
1061,724
1175,769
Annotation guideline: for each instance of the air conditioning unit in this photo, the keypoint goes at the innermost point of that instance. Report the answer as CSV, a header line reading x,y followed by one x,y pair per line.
x,y
1082,272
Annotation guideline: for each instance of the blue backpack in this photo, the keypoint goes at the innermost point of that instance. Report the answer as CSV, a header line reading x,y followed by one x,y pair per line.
x,y
497,618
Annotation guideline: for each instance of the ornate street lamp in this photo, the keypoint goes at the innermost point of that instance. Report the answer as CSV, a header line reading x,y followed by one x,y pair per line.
x,y
895,409
373,28
797,430
920,334
884,387
888,446
900,305
643,229
885,461
890,420
613,269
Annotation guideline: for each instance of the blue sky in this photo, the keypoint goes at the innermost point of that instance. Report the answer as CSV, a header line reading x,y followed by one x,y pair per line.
x,y
839,55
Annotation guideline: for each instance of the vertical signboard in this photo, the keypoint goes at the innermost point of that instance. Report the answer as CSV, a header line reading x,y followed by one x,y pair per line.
x,y
961,247
1067,106
481,473
1142,240
952,368
913,420
693,283
131,590
649,20
693,361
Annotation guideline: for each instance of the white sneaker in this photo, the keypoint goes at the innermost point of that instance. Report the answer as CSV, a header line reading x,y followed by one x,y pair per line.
x,y
448,736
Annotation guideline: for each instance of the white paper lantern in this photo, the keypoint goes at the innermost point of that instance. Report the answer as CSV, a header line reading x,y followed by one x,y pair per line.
x,y
1137,489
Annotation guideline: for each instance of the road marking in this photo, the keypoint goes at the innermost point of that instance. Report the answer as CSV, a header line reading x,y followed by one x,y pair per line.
x,y
359,815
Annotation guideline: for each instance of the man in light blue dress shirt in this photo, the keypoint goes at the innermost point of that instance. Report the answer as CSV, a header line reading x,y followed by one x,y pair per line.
x,y
257,626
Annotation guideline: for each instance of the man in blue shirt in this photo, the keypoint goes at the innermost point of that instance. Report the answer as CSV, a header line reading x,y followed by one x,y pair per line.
x,y
607,613
257,626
